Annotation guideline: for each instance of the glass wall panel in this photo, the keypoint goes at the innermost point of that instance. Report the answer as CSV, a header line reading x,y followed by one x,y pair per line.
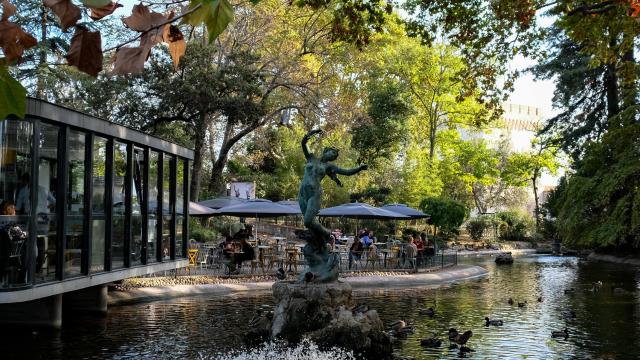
x,y
137,188
152,227
98,194
74,223
46,228
117,232
15,165
166,206
179,208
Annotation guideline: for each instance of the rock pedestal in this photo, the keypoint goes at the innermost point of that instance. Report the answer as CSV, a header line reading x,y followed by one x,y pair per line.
x,y
322,312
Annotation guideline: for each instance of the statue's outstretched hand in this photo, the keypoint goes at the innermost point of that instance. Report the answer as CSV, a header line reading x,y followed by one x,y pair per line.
x,y
316,131
364,167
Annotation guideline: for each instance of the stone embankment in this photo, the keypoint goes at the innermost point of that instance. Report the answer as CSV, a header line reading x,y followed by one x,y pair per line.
x,y
628,260
146,289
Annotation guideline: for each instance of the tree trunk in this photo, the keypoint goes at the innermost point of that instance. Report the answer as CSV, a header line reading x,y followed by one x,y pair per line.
x,y
432,139
611,87
534,180
198,153
216,183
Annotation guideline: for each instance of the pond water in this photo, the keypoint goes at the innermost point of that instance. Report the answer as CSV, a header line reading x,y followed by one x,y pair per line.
x,y
606,326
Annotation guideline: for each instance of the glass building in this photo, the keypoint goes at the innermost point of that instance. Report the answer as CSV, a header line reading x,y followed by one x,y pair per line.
x,y
80,197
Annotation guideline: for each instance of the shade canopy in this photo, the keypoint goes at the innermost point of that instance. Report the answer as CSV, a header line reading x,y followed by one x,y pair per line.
x,y
222,201
258,208
360,211
292,203
405,210
196,209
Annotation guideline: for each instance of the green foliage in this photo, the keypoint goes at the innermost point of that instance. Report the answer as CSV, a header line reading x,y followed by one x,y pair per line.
x,y
215,14
202,234
380,133
445,214
476,227
12,96
515,226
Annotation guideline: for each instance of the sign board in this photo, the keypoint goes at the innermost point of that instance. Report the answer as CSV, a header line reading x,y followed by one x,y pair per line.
x,y
243,190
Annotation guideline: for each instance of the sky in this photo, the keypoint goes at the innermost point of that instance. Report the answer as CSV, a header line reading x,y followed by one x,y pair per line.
x,y
527,91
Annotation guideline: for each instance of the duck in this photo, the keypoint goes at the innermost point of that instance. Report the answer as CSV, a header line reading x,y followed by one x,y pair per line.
x,y
397,325
407,330
569,314
560,334
360,308
539,299
569,291
522,304
429,312
431,342
510,301
488,322
460,339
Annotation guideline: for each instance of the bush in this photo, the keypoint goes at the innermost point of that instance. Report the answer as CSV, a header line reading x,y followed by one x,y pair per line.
x,y
202,234
476,227
515,226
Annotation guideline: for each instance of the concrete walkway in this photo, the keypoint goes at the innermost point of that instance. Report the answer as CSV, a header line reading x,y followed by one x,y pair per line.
x,y
448,275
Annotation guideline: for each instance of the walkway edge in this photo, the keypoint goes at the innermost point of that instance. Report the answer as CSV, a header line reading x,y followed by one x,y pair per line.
x,y
452,274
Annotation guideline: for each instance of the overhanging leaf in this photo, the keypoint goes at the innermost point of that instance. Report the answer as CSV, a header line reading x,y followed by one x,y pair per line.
x,y
99,13
13,41
66,11
95,3
216,14
177,44
13,96
85,51
8,10
130,60
142,19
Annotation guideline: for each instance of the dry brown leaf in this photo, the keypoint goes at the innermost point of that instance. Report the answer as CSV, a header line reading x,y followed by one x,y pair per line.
x,y
85,51
67,12
99,13
8,10
130,60
142,19
177,45
152,37
13,41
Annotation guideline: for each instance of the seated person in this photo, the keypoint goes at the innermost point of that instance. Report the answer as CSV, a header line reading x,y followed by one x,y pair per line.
x,y
7,207
364,237
247,253
355,252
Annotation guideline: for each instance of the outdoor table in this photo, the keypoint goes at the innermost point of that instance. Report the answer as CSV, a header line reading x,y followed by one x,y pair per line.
x,y
278,238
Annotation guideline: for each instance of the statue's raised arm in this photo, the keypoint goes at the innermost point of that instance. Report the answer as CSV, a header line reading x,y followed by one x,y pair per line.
x,y
305,139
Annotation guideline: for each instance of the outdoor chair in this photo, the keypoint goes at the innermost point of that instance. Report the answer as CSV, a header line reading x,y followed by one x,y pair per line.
x,y
393,260
203,257
410,254
372,257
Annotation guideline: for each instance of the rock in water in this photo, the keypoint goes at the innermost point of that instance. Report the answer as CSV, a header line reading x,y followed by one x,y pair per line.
x,y
323,313
504,258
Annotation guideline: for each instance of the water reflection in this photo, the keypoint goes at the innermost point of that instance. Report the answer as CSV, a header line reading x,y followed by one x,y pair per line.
x,y
606,324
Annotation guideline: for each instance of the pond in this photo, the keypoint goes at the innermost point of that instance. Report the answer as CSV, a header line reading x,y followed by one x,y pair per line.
x,y
606,325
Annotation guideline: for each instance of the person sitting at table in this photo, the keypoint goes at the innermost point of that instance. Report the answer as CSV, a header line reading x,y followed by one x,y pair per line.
x,y
364,237
247,252
355,252
372,237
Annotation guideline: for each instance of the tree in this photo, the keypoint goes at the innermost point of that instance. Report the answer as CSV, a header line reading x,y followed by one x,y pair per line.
x,y
445,215
381,131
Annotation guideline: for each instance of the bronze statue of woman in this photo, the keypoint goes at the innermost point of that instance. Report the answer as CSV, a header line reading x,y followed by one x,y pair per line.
x,y
309,199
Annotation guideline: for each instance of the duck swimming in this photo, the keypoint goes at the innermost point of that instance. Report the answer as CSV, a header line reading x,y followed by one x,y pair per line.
x,y
431,342
458,338
522,304
560,334
397,325
510,301
488,322
429,312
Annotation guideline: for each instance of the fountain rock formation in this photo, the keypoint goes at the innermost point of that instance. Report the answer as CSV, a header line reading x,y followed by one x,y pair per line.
x,y
321,312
